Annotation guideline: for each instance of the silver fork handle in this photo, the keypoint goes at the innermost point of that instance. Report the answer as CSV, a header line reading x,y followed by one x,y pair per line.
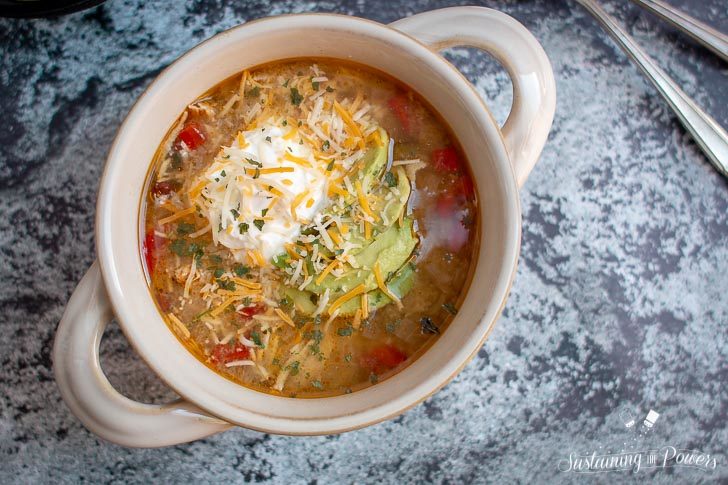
x,y
712,39
708,134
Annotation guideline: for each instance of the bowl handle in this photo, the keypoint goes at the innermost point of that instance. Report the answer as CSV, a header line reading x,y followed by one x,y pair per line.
x,y
534,90
89,394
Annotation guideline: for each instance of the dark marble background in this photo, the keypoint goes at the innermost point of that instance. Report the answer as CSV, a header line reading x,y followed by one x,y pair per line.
x,y
619,304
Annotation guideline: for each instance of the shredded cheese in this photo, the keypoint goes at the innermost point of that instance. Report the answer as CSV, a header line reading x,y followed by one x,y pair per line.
x,y
353,293
383,287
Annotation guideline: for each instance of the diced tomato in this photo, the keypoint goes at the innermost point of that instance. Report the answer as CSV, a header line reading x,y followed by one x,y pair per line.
x,y
383,358
400,106
224,353
249,311
148,249
446,159
191,135
449,214
162,188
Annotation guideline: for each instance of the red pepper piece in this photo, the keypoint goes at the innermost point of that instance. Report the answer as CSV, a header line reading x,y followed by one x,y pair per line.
x,y
162,188
249,311
446,159
383,358
192,136
148,250
400,106
224,353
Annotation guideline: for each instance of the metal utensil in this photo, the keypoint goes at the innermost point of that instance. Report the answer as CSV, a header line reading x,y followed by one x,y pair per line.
x,y
708,134
704,34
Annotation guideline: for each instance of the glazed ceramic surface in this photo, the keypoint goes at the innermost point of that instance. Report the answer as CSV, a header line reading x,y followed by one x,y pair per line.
x,y
116,285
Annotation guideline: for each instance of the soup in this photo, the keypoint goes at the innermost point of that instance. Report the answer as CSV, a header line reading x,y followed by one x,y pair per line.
x,y
309,227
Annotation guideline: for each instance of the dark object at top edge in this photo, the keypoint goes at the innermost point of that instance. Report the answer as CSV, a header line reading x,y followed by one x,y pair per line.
x,y
43,8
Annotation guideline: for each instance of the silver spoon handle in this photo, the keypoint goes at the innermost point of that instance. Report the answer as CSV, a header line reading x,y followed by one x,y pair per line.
x,y
708,134
712,39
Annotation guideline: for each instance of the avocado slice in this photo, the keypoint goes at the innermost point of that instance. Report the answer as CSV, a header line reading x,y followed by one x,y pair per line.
x,y
391,249
374,162
400,284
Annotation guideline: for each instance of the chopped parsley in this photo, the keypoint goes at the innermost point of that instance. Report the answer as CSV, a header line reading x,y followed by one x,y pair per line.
x,y
284,122
178,247
228,285
315,85
268,139
326,144
373,378
255,337
218,273
215,259
391,327
390,179
428,326
330,166
450,308
294,367
235,213
259,223
243,227
253,162
254,92
345,332
256,174
264,212
241,270
317,384
347,357
223,174
296,97
185,228
329,89
176,160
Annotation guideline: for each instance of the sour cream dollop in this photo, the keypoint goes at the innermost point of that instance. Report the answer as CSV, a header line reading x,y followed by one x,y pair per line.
x,y
261,189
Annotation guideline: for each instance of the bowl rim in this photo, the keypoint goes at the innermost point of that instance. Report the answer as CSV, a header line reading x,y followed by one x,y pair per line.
x,y
111,272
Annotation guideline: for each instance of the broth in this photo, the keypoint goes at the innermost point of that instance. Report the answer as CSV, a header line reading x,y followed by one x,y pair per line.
x,y
309,227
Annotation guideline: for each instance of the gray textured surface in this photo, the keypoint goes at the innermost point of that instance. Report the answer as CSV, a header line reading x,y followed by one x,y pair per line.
x,y
619,302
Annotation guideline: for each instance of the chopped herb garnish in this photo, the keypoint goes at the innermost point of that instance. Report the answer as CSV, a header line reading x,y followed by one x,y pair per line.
x,y
255,337
235,213
284,122
330,166
450,308
345,332
178,247
390,179
294,367
256,174
347,357
285,302
243,227
391,327
329,89
253,162
300,123
254,92
176,160
241,270
267,138
275,361
285,84
218,273
373,378
223,174
428,326
315,85
215,259
317,320
185,228
259,223
247,301
326,144
228,285
317,384
296,97
264,212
